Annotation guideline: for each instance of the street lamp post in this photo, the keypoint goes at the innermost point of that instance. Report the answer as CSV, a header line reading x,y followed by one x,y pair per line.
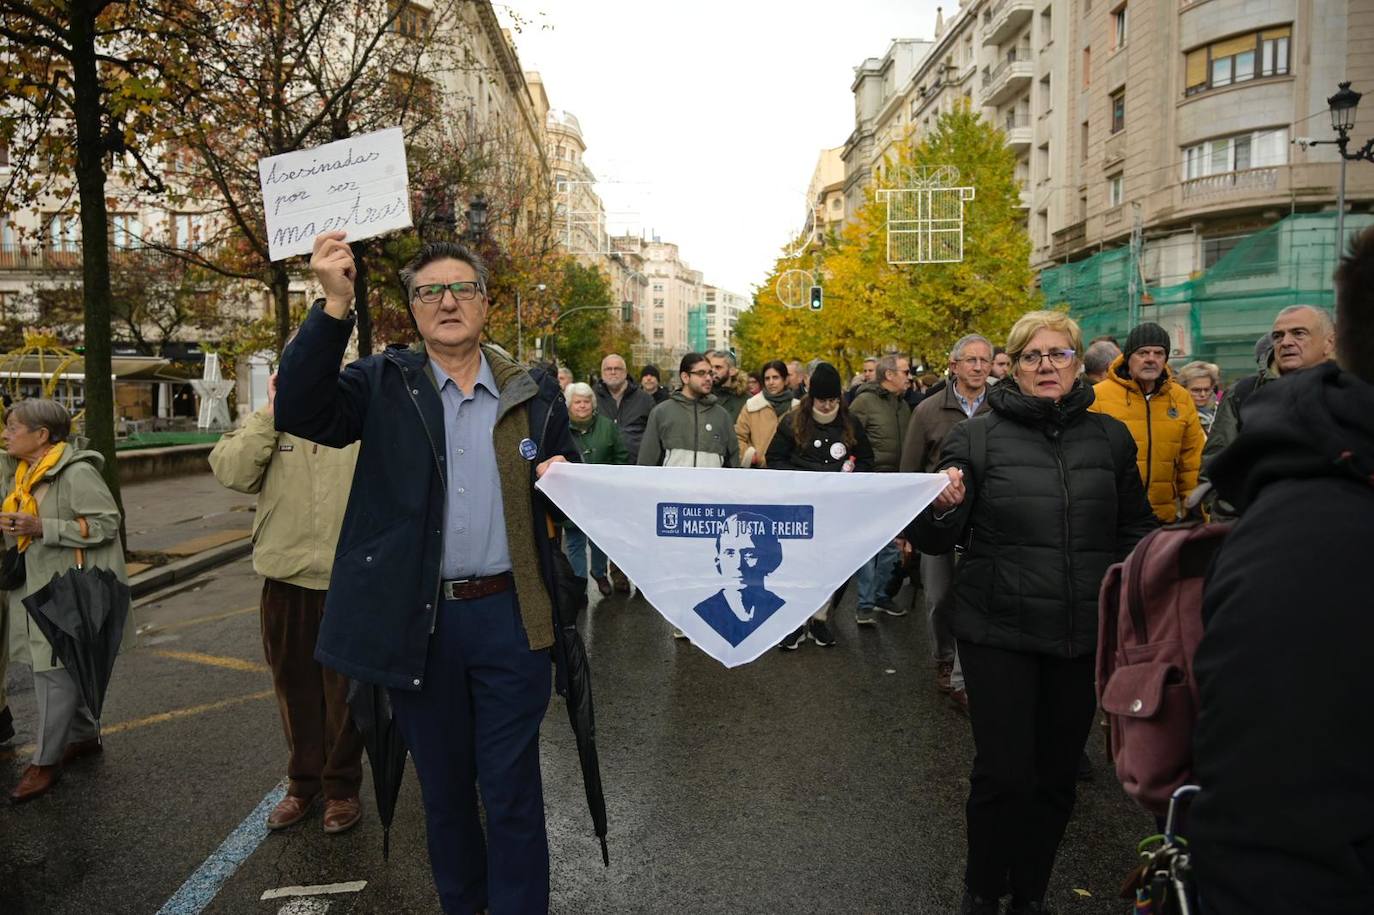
x,y
520,326
477,221
1343,105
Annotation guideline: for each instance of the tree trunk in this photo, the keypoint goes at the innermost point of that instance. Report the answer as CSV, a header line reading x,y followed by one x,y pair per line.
x,y
360,299
280,283
95,256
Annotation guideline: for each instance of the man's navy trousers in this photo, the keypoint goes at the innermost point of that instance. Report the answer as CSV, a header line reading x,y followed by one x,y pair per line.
x,y
476,723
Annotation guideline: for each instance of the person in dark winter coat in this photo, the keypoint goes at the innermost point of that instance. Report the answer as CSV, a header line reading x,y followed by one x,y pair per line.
x,y
885,413
623,402
1046,495
443,584
651,380
1282,750
820,435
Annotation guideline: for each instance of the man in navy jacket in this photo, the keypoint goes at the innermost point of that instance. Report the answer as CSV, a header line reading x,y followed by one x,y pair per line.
x,y
442,581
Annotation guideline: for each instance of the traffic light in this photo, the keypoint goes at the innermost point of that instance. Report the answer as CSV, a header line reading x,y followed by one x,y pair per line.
x,y
627,311
816,298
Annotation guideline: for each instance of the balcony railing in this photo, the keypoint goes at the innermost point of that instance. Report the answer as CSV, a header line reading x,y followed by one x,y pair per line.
x,y
1114,148
1005,18
1014,56
1253,179
1015,121
68,257
1001,84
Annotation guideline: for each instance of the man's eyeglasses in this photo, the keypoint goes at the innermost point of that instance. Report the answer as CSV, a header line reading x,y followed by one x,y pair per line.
x,y
433,293
1059,358
700,373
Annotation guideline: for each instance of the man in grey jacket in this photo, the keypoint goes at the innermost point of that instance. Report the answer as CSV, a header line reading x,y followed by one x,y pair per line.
x,y
691,429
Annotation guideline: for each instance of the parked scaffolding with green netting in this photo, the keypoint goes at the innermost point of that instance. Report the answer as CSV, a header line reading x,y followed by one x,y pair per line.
x,y
1218,315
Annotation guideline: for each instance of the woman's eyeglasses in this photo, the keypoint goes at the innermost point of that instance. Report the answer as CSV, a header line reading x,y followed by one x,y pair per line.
x,y
1059,358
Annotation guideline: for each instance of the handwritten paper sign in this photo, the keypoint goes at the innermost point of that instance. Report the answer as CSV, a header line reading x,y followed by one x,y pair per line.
x,y
358,185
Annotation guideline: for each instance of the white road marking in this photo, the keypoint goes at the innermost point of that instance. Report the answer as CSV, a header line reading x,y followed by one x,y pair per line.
x,y
319,889
305,907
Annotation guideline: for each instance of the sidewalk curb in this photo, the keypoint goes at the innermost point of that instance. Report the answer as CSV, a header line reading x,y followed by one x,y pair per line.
x,y
157,578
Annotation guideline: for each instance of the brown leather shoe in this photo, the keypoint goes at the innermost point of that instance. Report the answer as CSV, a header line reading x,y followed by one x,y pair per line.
x,y
289,811
81,749
35,782
341,814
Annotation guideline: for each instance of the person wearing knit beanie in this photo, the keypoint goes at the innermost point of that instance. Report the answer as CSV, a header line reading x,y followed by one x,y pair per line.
x,y
825,382
1169,438
1147,334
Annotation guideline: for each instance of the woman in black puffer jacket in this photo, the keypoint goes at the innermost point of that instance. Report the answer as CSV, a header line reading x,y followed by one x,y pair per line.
x,y
1046,496
820,434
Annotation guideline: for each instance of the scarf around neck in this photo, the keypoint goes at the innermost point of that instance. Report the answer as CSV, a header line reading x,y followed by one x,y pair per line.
x,y
781,402
21,497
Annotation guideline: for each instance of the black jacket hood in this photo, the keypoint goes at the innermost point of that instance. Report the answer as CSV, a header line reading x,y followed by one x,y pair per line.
x,y
1315,423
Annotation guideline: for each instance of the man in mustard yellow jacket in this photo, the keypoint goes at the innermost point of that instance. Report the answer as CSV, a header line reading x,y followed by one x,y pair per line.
x,y
302,489
1161,415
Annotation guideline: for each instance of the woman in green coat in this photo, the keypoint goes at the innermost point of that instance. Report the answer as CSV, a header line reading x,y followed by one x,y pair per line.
x,y
599,441
50,484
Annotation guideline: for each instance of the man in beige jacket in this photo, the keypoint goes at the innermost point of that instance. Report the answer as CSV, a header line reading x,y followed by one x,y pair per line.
x,y
302,489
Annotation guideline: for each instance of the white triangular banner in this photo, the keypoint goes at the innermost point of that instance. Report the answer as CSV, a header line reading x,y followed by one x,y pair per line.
x,y
737,559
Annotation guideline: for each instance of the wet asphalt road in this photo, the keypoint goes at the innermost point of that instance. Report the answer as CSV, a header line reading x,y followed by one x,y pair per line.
x,y
823,780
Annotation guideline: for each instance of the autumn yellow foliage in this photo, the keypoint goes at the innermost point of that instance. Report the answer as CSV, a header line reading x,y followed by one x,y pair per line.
x,y
872,306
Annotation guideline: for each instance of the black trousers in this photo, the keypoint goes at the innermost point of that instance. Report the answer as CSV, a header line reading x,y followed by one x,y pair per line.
x,y
1031,715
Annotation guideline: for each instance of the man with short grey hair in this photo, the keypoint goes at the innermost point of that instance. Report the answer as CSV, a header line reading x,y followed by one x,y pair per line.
x,y
623,402
1302,336
442,587
970,361
1098,359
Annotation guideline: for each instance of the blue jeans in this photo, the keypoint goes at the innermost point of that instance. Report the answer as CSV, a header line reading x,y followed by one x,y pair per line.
x,y
576,544
875,573
475,723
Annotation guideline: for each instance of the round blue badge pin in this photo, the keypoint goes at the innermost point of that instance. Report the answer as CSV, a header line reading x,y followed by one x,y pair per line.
x,y
527,449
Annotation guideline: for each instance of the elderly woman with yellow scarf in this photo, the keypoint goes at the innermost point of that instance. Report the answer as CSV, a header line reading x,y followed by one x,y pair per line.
x,y
56,502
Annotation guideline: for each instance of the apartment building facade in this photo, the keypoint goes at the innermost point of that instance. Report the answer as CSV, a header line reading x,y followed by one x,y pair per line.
x,y
825,211
721,309
1171,121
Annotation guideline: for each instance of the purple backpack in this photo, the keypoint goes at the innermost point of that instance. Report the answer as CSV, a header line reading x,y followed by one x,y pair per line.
x,y
1151,624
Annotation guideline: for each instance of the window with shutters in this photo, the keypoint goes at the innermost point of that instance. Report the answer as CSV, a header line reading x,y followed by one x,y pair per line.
x,y
1241,58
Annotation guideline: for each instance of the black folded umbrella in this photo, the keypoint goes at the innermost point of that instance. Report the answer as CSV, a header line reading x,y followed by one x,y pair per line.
x,y
82,612
575,685
574,681
386,751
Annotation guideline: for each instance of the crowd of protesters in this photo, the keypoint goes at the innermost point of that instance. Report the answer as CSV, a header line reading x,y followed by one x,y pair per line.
x,y
1080,448
1060,454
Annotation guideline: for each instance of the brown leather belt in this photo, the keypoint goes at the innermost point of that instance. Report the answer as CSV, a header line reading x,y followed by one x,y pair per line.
x,y
473,588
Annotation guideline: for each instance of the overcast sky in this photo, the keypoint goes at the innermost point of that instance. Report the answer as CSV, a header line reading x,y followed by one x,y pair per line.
x,y
703,120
